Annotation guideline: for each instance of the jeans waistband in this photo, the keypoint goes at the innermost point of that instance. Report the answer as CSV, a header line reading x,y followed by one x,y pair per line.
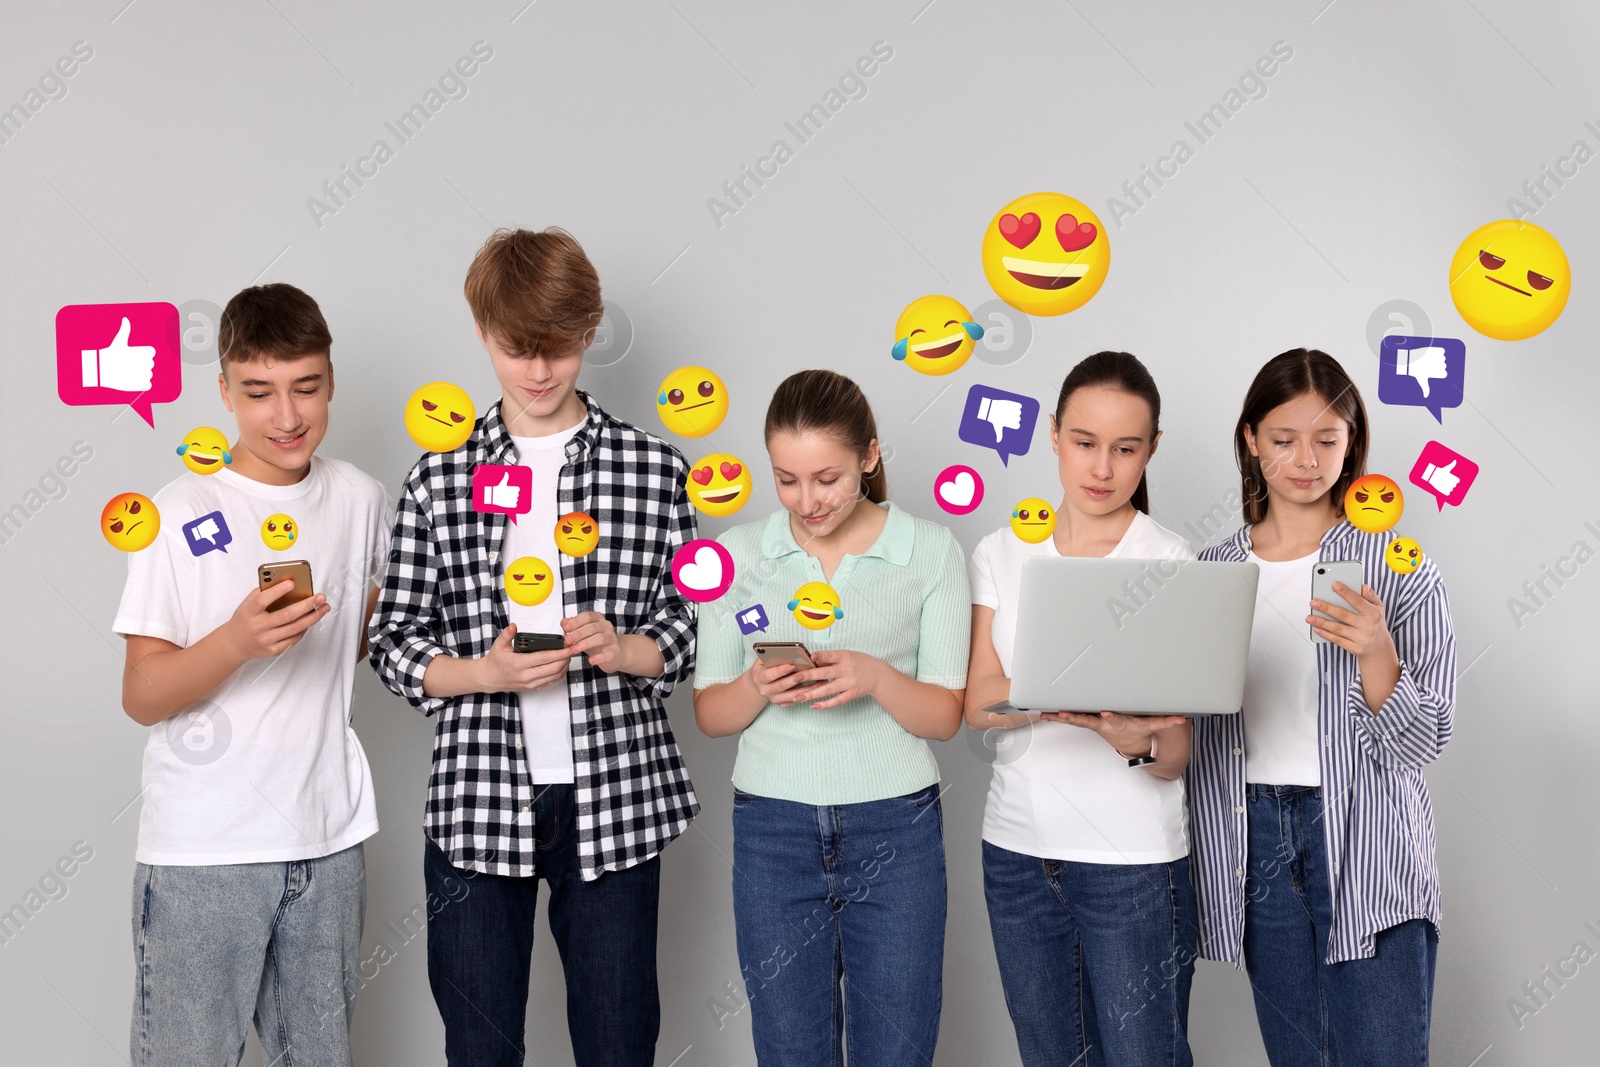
x,y
1254,789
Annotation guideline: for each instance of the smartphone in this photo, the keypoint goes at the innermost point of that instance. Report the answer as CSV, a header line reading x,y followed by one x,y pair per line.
x,y
270,574
773,653
1323,574
531,642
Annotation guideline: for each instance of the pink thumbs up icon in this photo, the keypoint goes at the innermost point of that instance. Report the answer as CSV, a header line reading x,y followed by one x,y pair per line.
x,y
1444,473
118,354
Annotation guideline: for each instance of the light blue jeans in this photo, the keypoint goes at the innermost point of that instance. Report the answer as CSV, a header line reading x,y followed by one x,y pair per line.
x,y
215,945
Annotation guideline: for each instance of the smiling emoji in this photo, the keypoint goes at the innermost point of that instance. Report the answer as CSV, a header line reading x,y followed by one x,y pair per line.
x,y
692,401
719,484
577,534
1404,555
130,522
1046,254
280,531
439,417
205,450
816,606
1033,520
529,581
935,335
1373,503
1509,280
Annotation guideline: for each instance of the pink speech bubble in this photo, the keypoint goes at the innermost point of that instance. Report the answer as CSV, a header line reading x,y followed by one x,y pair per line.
x,y
498,489
119,354
1444,473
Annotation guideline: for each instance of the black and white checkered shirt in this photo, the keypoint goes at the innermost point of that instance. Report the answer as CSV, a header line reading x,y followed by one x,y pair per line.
x,y
443,593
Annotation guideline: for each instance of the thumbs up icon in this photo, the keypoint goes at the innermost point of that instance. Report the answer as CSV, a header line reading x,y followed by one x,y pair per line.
x,y
1442,478
503,495
1444,473
120,365
501,489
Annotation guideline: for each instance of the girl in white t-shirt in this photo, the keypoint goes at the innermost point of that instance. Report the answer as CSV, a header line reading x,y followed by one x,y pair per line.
x,y
1085,849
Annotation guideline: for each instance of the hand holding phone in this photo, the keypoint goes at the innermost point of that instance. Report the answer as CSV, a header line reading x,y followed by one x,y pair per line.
x,y
272,619
1323,574
776,664
505,670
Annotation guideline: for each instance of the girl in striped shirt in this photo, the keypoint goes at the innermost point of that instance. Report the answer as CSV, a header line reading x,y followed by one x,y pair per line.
x,y
1311,828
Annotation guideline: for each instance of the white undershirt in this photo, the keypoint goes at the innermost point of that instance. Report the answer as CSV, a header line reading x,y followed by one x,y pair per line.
x,y
546,712
1280,686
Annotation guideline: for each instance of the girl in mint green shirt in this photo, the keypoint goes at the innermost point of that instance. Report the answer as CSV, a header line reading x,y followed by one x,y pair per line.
x,y
838,846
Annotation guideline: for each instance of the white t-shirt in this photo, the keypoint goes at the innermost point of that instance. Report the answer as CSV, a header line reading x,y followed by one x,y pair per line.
x,y
546,712
266,767
1280,684
1069,796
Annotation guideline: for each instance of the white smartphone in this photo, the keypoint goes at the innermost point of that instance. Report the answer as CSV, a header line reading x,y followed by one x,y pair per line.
x,y
1323,574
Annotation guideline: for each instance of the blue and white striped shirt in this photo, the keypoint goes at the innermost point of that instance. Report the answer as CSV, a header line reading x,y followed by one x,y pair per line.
x,y
1378,819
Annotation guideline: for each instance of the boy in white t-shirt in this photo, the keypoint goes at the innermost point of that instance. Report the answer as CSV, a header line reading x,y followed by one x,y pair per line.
x,y
250,886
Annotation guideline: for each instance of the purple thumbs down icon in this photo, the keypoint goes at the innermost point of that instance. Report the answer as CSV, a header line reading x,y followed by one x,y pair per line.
x,y
994,418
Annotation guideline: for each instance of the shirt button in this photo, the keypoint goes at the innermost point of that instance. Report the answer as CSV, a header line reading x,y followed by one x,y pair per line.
x,y
1238,872
1238,809
1238,752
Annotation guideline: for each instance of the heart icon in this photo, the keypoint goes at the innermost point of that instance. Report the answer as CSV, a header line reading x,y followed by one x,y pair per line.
x,y
703,475
1072,235
1020,232
958,491
730,471
703,572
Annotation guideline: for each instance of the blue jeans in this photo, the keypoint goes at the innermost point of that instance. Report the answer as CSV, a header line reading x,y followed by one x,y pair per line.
x,y
1096,959
480,948
215,945
1360,1013
851,891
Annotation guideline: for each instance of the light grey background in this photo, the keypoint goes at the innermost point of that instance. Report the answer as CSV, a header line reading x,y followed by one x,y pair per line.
x,y
178,167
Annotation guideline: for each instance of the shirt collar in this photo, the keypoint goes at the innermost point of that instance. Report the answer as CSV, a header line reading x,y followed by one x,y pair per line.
x,y
1333,541
893,545
497,446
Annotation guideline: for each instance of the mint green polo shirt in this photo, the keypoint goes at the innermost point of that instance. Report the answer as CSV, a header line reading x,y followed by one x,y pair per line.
x,y
904,600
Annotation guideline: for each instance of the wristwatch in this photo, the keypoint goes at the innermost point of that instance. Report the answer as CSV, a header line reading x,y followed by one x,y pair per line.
x,y
1139,761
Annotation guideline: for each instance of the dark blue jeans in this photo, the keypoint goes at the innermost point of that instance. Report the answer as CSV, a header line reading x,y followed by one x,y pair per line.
x,y
1360,1013
480,944
851,891
1096,958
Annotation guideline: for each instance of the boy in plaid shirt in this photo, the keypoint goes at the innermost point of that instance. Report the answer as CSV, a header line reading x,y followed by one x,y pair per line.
x,y
556,764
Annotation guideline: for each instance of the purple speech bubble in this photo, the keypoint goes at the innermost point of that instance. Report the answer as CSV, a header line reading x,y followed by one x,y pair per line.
x,y
1002,421
1423,372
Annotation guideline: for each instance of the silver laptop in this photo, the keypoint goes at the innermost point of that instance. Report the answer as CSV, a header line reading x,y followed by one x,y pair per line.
x,y
1139,636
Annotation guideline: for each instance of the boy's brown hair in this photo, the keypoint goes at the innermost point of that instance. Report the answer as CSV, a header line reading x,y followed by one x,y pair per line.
x,y
274,321
537,293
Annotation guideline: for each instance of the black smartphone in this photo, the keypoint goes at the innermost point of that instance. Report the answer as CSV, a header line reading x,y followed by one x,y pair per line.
x,y
529,642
